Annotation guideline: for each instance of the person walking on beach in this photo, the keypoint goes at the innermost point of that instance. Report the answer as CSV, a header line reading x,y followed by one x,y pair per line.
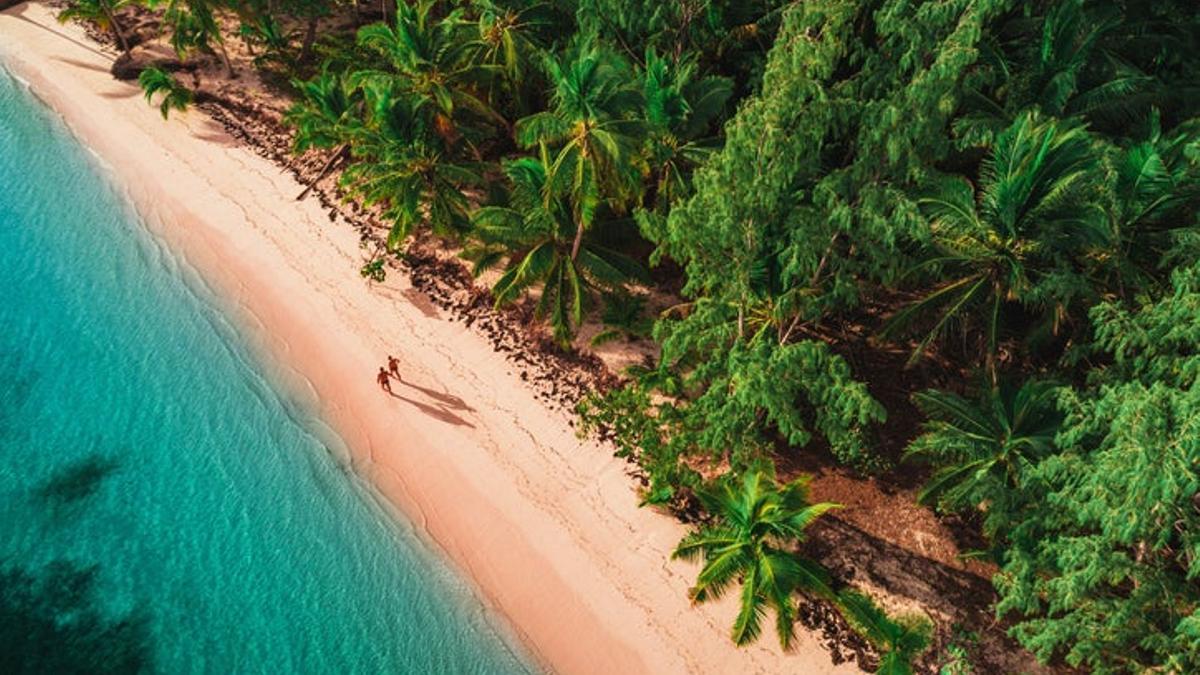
x,y
385,382
394,367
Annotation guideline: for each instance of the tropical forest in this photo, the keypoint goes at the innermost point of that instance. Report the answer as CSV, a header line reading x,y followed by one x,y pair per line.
x,y
944,254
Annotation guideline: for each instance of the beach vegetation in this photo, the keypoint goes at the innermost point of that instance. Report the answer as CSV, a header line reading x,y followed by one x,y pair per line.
x,y
102,13
947,250
750,542
172,95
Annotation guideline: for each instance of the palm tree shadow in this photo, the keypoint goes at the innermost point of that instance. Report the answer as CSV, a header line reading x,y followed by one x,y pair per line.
x,y
964,597
18,11
436,412
81,64
447,400
78,480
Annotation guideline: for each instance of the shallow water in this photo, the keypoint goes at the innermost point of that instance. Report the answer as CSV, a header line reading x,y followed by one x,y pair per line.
x,y
162,506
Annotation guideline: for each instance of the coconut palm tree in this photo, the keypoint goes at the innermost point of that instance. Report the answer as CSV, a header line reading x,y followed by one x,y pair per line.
x,y
1073,65
428,58
327,113
981,449
100,12
402,166
175,96
506,43
194,26
756,523
1018,239
679,110
593,131
535,238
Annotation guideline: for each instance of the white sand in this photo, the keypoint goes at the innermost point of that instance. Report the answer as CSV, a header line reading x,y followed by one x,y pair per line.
x,y
544,524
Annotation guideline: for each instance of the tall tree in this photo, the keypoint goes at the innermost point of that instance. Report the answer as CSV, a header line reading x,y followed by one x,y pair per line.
x,y
592,128
536,237
427,56
401,165
680,110
103,13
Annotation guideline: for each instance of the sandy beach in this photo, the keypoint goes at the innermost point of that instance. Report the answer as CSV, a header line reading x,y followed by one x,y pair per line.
x,y
544,524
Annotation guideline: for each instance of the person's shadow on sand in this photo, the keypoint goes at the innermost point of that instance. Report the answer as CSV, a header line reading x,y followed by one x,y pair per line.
x,y
436,412
447,400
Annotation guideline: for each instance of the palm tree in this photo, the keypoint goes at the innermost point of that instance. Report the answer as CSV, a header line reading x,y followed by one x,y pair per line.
x,y
1073,66
100,12
755,524
899,641
506,44
264,30
591,126
535,237
679,109
1018,239
194,26
402,167
1154,189
429,59
326,115
982,449
175,96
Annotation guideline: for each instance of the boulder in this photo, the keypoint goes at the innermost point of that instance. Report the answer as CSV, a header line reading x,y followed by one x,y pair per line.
x,y
129,66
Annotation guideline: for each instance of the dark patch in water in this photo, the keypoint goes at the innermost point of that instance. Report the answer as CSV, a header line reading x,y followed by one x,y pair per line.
x,y
16,387
52,623
78,479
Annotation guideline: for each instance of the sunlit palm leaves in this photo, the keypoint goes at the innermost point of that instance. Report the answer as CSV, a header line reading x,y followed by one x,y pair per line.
x,y
428,57
506,43
401,167
328,112
535,237
100,12
592,131
756,524
175,96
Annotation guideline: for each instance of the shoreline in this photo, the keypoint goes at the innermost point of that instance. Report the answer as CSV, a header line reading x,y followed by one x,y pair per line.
x,y
543,525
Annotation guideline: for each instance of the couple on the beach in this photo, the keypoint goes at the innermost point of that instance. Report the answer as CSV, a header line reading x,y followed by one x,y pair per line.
x,y
384,378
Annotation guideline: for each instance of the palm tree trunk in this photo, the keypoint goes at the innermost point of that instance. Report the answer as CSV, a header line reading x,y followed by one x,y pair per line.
x,y
329,164
225,58
116,27
310,37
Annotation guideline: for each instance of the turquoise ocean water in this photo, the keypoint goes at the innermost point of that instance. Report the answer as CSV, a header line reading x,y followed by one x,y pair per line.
x,y
162,506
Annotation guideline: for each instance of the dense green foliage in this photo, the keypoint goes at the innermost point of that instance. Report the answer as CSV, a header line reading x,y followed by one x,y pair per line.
x,y
1008,188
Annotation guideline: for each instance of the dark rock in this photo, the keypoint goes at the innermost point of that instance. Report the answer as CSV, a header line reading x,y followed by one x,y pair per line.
x,y
5,4
129,66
